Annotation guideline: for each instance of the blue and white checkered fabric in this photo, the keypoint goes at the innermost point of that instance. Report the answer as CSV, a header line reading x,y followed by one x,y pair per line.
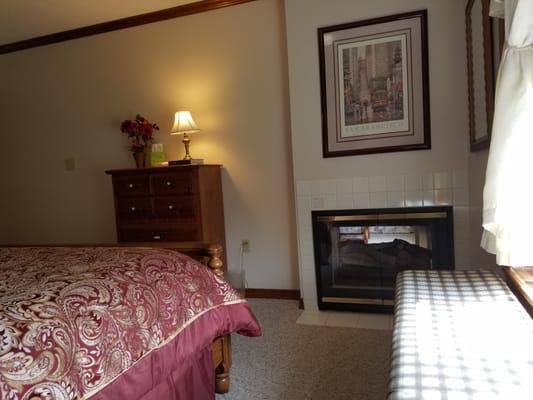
x,y
459,335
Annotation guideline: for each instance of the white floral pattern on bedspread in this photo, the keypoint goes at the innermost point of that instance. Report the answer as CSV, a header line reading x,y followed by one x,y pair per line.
x,y
73,319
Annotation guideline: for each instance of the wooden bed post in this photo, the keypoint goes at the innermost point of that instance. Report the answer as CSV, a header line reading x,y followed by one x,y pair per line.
x,y
215,259
222,345
222,379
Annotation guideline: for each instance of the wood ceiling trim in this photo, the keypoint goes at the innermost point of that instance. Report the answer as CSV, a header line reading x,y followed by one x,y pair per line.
x,y
122,23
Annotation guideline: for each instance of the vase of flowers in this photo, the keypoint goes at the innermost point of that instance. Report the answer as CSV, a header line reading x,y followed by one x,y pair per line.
x,y
140,132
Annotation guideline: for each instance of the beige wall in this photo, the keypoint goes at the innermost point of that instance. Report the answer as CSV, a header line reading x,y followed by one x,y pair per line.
x,y
331,183
67,100
448,100
477,167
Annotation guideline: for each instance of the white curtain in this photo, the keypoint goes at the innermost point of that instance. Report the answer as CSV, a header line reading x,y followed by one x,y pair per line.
x,y
508,192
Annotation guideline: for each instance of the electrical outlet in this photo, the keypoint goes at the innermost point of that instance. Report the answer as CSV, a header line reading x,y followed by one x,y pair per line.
x,y
245,245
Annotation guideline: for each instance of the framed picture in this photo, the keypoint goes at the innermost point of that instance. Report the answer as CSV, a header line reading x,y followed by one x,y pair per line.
x,y
374,85
485,37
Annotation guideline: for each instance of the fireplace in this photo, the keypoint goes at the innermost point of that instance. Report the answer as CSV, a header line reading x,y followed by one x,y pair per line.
x,y
358,253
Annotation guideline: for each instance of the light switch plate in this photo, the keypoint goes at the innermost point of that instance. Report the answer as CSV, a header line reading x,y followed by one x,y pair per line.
x,y
70,164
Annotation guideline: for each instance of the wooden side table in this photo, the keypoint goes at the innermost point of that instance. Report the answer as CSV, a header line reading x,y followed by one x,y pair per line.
x,y
520,280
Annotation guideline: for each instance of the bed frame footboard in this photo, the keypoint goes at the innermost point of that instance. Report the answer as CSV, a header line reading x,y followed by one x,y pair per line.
x,y
222,345
210,255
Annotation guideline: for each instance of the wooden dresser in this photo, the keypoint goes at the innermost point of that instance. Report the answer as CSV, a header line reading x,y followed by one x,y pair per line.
x,y
169,204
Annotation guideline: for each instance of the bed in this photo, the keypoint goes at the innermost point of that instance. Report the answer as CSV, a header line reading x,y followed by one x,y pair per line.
x,y
117,322
459,335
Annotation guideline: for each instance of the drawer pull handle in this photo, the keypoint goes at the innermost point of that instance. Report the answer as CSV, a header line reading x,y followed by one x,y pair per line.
x,y
168,183
157,237
130,185
170,207
132,208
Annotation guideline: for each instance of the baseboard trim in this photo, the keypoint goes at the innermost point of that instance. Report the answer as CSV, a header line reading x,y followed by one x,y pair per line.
x,y
284,294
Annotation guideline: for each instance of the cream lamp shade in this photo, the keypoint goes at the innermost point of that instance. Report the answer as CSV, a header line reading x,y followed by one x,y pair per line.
x,y
184,124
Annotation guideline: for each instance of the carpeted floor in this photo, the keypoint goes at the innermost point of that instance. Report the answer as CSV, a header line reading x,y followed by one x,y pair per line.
x,y
297,362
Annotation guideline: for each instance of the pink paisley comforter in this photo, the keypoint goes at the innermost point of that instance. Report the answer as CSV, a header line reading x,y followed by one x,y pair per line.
x,y
86,322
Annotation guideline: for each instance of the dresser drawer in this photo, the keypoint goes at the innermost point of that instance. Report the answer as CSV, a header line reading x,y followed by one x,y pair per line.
x,y
135,207
175,207
132,185
175,183
186,232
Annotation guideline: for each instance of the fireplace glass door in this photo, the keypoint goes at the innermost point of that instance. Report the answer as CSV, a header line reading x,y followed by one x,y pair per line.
x,y
358,256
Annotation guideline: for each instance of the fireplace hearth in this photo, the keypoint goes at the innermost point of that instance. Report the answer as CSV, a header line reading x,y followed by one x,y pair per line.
x,y
358,253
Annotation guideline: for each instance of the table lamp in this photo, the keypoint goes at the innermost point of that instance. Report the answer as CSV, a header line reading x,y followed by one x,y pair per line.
x,y
184,124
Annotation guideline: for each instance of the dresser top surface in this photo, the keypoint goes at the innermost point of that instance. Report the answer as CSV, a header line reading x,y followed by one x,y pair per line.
x,y
165,169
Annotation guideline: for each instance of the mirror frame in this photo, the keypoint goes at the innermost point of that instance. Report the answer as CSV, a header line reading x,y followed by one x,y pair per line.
x,y
490,37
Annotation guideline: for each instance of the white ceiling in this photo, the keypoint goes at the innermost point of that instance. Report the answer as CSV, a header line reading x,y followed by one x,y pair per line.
x,y
24,19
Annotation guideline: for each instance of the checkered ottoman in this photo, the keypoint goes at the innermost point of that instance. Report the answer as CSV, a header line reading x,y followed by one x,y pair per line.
x,y
459,335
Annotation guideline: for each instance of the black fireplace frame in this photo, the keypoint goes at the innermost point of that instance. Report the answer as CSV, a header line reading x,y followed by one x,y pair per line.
x,y
444,261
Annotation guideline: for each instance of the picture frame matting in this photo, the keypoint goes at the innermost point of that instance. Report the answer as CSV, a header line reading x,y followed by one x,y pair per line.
x,y
374,85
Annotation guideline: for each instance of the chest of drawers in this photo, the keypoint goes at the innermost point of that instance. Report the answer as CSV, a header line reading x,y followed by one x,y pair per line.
x,y
169,204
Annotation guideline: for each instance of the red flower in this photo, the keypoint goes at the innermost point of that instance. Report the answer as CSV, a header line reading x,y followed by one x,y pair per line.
x,y
140,131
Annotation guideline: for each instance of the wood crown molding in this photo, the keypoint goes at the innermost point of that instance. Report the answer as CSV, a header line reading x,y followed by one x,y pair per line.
x,y
122,23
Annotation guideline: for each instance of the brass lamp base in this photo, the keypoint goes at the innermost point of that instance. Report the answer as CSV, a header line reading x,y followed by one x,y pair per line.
x,y
186,142
187,160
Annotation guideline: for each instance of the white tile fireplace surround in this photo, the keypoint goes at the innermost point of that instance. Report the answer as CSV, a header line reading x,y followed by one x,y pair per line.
x,y
430,189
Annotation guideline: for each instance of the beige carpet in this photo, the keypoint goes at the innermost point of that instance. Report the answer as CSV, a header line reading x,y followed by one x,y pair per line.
x,y
297,362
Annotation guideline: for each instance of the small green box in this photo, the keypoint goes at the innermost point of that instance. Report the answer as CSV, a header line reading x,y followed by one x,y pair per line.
x,y
157,155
